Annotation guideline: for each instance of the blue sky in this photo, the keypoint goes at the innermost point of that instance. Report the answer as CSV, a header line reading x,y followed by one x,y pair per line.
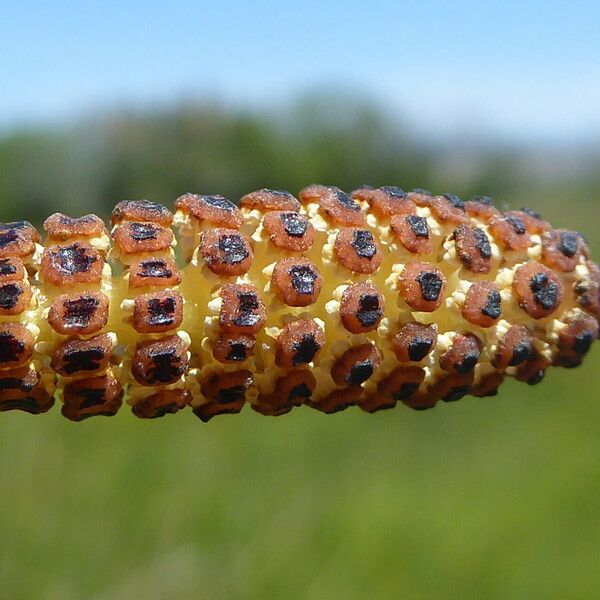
x,y
513,69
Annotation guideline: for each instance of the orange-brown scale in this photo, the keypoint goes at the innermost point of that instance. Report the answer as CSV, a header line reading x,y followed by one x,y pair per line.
x,y
401,385
422,286
226,252
420,197
16,344
414,342
483,304
413,233
12,269
452,387
290,231
562,250
20,389
270,411
138,236
242,310
270,200
356,365
205,412
155,271
587,290
62,227
534,223
376,402
576,339
23,226
488,385
358,250
231,348
72,264
514,348
473,248
82,357
361,307
165,402
17,239
482,208
298,343
386,201
463,356
335,205
157,312
510,231
95,396
293,389
533,370
421,401
225,393
141,210
79,313
15,297
213,209
160,362
296,281
337,400
538,289
447,208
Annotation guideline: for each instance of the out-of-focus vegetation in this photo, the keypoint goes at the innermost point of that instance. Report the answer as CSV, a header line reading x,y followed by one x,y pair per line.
x,y
93,164
496,498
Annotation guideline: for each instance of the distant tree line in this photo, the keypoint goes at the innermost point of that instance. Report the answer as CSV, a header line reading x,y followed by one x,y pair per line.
x,y
91,165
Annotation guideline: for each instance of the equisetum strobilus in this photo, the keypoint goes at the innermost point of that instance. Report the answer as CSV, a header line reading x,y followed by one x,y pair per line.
x,y
329,300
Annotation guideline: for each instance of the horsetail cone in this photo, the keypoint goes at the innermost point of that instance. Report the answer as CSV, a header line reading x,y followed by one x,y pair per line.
x,y
329,300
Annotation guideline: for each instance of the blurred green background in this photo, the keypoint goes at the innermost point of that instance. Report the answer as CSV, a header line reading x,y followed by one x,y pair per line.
x,y
483,499
495,498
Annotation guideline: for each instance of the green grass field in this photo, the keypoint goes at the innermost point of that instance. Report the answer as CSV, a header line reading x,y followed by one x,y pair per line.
x,y
495,498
